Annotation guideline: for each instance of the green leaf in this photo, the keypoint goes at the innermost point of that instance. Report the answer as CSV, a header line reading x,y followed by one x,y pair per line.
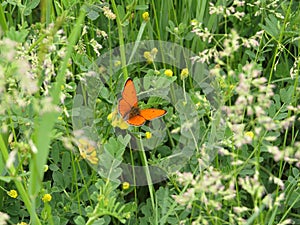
x,y
66,161
18,36
272,26
79,220
141,7
286,94
5,179
92,15
30,6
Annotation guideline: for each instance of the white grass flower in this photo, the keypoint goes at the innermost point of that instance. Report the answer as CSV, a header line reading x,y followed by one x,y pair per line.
x,y
96,46
108,13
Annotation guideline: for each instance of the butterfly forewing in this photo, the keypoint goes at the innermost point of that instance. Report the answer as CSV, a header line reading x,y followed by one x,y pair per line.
x,y
129,93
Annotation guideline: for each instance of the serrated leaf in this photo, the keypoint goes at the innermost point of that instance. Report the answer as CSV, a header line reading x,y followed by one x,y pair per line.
x,y
18,36
272,26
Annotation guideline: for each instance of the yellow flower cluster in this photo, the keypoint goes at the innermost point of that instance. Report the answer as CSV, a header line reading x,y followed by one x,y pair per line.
x,y
117,121
150,56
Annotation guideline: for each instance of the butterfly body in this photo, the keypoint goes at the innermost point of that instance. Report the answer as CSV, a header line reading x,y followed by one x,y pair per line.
x,y
129,110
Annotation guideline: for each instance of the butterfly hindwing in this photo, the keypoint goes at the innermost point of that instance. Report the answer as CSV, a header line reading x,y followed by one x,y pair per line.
x,y
124,108
136,120
150,114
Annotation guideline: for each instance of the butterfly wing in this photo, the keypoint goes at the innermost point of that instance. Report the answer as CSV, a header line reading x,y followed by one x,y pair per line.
x,y
129,102
136,120
151,114
129,99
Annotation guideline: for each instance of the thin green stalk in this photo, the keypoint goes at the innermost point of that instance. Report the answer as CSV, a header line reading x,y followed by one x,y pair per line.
x,y
278,46
138,39
148,175
121,40
3,23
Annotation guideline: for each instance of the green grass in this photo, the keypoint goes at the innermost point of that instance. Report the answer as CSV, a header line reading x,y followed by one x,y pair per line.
x,y
227,151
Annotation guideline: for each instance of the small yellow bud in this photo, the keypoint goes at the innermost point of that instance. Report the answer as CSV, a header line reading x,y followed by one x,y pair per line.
x,y
169,73
46,198
109,117
148,135
117,63
145,16
154,51
184,73
13,193
125,185
148,57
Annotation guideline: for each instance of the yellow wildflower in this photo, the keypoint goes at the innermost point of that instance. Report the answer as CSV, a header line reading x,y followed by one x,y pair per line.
x,y
184,73
125,185
88,151
117,63
169,73
249,134
194,22
145,16
148,57
46,198
117,121
148,135
110,116
22,223
13,193
120,123
127,215
154,52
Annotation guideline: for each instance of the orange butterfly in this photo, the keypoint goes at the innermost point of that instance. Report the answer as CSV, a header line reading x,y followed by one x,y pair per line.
x,y
129,110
